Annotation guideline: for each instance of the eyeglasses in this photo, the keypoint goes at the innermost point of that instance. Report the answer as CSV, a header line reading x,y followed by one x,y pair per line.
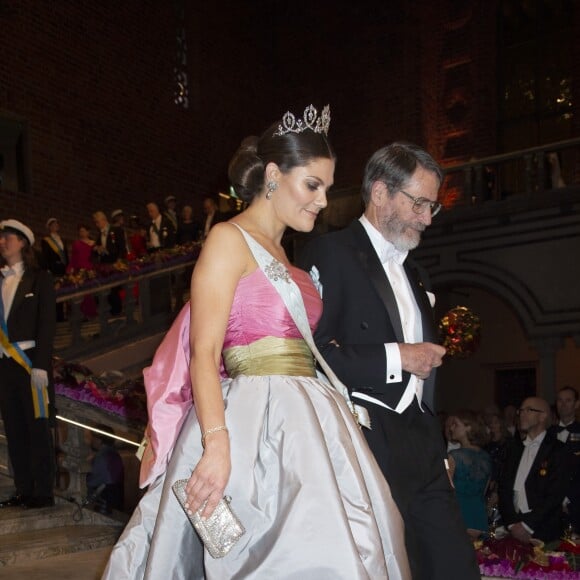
x,y
529,410
421,203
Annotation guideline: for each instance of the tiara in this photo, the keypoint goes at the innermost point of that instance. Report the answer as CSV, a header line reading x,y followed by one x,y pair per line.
x,y
310,120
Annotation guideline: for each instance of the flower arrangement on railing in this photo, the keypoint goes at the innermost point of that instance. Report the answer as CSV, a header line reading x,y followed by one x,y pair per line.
x,y
83,279
510,558
111,391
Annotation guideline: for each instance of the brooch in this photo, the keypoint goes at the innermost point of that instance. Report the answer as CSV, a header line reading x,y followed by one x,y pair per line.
x,y
277,271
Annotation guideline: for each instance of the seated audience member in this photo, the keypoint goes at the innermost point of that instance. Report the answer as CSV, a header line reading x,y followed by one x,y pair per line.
x,y
105,481
510,419
447,434
188,230
567,430
534,477
471,468
499,437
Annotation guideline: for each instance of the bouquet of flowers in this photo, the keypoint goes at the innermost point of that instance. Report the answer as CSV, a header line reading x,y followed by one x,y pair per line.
x,y
112,392
459,332
510,558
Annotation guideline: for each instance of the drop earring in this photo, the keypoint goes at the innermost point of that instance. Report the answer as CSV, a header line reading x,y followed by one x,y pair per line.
x,y
272,187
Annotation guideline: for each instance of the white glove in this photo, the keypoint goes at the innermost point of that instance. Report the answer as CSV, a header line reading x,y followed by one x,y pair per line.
x,y
38,378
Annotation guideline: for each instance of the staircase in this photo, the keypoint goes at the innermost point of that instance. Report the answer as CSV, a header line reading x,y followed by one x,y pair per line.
x,y
61,542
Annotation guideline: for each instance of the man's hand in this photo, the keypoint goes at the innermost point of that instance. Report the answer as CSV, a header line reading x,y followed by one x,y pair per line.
x,y
519,532
421,358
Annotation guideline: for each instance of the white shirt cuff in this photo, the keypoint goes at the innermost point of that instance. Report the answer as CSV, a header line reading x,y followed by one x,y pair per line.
x,y
394,370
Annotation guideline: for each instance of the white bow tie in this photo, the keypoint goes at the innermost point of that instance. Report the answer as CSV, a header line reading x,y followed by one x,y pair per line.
x,y
7,271
531,442
389,253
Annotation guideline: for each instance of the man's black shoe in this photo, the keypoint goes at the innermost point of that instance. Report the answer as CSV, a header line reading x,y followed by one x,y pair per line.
x,y
38,502
15,501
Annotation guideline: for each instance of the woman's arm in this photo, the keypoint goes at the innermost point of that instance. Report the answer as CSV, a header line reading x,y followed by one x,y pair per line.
x,y
224,260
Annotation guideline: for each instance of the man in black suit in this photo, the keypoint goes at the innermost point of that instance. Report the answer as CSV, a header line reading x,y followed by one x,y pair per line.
x,y
534,477
161,232
568,432
377,333
212,215
109,247
27,328
110,243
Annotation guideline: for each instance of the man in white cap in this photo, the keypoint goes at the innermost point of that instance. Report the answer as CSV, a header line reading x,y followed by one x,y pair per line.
x,y
27,329
55,257
54,249
118,221
170,211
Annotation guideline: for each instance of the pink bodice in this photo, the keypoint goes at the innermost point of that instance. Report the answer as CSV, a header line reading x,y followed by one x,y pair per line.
x,y
258,311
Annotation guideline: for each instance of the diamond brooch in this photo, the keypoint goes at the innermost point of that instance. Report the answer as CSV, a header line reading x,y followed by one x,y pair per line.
x,y
277,271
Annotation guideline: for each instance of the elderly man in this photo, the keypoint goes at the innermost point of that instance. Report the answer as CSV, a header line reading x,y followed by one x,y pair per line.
x,y
534,477
110,247
160,233
568,431
377,333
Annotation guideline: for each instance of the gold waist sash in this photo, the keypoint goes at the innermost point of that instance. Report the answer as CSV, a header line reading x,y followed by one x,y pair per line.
x,y
271,356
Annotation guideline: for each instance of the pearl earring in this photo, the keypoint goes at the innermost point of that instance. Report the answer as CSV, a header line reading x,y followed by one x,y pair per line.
x,y
272,187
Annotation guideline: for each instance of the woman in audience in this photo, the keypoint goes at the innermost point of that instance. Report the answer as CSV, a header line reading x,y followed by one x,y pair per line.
x,y
498,438
188,230
471,468
81,259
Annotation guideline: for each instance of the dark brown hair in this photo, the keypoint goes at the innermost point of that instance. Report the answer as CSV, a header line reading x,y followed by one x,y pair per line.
x,y
247,167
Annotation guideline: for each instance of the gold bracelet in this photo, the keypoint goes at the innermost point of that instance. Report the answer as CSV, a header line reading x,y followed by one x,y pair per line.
x,y
210,431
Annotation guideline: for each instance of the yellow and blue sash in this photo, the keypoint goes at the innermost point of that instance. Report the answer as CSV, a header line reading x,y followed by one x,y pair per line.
x,y
40,394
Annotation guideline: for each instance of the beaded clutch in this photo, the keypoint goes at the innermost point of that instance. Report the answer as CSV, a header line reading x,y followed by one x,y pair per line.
x,y
220,531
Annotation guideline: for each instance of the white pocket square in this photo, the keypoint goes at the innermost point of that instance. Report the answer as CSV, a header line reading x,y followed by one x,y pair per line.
x,y
315,275
431,297
29,295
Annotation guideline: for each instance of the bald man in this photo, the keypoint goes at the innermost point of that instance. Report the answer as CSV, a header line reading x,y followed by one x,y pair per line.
x,y
534,477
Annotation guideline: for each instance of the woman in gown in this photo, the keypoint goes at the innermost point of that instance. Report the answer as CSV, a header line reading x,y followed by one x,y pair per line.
x,y
471,468
81,259
263,429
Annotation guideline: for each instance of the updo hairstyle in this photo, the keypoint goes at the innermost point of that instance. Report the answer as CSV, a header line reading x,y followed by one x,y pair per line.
x,y
247,167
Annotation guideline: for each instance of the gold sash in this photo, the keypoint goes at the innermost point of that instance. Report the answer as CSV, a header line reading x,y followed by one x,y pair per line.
x,y
271,356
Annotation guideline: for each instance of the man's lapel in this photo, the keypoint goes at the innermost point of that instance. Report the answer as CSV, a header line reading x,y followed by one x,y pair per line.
x,y
24,287
429,332
372,265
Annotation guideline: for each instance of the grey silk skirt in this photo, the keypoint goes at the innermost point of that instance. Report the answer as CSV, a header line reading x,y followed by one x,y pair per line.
x,y
304,484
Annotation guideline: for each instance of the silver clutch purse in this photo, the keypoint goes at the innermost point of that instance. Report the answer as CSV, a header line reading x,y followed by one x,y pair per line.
x,y
220,531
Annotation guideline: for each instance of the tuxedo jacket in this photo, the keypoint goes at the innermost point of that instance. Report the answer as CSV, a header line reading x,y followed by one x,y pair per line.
x,y
360,313
55,262
167,233
546,487
115,246
33,316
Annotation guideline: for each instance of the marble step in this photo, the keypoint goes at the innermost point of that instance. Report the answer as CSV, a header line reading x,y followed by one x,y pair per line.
x,y
17,520
39,544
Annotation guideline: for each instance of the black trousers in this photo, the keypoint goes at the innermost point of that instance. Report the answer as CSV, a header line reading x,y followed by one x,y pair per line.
x,y
410,451
30,440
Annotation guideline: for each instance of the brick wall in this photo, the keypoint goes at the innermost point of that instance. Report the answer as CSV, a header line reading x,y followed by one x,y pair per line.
x,y
94,83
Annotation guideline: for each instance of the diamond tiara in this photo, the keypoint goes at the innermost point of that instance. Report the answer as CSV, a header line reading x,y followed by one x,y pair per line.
x,y
310,120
